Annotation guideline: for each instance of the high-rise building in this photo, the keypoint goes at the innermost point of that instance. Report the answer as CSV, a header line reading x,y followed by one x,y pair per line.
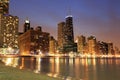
x,y
116,50
92,44
61,39
110,48
102,48
52,46
81,41
66,36
4,6
26,25
68,30
8,31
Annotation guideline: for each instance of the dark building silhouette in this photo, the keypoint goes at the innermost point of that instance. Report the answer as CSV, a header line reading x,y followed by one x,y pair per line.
x,y
66,36
68,30
27,25
110,49
39,28
105,48
102,48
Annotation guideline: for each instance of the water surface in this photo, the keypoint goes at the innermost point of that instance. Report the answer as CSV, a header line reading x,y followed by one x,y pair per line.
x,y
72,68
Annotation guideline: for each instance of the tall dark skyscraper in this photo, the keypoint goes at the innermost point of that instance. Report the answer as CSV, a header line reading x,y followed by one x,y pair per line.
x,y
4,6
66,36
68,30
26,25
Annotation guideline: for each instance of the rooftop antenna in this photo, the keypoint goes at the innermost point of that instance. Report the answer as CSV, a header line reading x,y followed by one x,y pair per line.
x,y
69,12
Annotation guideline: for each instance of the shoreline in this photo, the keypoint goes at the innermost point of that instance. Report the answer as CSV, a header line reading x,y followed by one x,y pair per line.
x,y
11,73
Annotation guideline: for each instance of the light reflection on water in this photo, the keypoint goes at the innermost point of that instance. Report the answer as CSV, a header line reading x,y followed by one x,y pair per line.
x,y
72,68
11,61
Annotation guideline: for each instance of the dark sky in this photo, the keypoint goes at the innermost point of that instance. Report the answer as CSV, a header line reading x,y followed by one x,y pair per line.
x,y
100,18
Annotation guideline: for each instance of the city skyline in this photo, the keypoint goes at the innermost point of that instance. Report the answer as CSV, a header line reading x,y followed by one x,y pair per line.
x,y
98,18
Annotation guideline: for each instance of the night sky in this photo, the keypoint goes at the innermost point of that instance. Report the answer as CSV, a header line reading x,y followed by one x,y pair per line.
x,y
100,18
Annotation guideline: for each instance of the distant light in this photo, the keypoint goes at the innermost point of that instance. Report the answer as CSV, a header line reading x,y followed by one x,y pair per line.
x,y
8,61
27,21
76,41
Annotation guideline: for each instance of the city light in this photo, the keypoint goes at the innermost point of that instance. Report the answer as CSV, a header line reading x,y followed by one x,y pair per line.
x,y
10,61
83,47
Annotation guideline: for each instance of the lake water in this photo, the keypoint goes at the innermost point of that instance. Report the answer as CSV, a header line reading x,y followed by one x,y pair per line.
x,y
70,68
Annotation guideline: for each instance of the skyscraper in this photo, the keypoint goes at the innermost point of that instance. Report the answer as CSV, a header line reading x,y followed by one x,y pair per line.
x,y
4,6
52,45
81,43
26,25
92,45
66,36
8,31
102,48
68,30
61,39
110,48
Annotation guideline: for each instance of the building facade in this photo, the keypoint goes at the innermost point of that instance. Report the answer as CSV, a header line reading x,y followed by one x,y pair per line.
x,y
33,41
81,42
110,49
4,7
92,45
9,31
116,50
102,48
61,39
52,46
